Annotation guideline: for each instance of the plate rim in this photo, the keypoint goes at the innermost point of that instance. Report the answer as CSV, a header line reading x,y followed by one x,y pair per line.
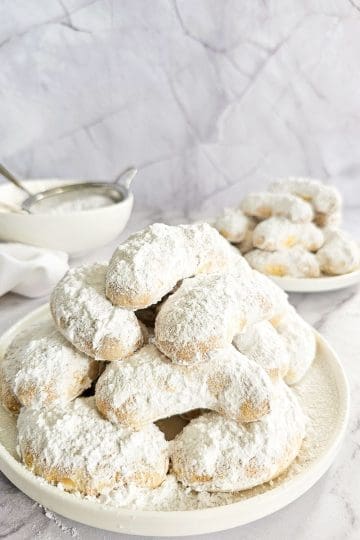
x,y
319,284
196,521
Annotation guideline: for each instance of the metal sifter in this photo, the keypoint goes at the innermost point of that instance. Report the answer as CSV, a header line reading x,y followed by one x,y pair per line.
x,y
51,198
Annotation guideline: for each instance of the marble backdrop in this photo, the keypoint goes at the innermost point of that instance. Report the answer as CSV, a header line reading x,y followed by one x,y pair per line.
x,y
209,98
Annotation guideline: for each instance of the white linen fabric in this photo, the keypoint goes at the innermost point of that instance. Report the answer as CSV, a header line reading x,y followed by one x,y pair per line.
x,y
30,271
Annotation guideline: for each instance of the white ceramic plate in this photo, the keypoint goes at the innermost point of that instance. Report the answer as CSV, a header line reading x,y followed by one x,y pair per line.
x,y
320,284
324,383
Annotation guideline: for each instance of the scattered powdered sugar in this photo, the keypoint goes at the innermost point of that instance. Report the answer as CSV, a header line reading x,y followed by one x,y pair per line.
x,y
73,441
264,204
88,319
147,387
171,495
63,528
208,310
294,262
68,203
318,395
152,261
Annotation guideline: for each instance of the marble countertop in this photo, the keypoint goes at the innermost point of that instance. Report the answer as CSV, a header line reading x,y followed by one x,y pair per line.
x,y
330,510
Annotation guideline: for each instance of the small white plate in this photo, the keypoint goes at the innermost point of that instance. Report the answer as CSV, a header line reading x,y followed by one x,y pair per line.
x,y
325,381
320,284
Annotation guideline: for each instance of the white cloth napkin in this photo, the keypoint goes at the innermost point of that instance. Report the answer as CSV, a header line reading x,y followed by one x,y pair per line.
x,y
29,270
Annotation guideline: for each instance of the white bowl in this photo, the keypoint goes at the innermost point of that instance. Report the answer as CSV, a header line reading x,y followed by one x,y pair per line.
x,y
75,232
324,388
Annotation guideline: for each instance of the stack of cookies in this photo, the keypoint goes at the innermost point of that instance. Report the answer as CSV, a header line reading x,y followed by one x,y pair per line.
x,y
177,321
292,230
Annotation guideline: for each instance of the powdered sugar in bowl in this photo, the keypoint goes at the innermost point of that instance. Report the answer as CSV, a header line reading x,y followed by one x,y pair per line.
x,y
76,225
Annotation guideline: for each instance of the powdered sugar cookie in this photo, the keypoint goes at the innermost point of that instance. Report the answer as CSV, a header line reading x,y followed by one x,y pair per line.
x,y
328,220
147,387
247,244
41,368
339,254
148,315
150,263
264,205
294,262
233,224
217,454
262,344
300,342
324,198
73,445
87,318
278,233
207,311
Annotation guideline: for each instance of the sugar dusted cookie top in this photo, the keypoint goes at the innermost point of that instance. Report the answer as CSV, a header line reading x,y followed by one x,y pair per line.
x,y
292,262
263,205
72,444
278,233
262,344
41,368
151,262
208,310
300,342
84,315
233,224
340,254
148,387
213,454
324,198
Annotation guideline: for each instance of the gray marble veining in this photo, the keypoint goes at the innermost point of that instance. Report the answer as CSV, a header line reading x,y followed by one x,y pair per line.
x,y
207,97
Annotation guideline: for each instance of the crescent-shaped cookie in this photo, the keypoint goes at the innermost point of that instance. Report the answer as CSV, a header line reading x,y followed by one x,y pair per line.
x,y
216,454
207,311
300,342
277,233
147,387
87,319
340,254
246,244
263,344
263,205
41,368
234,225
151,262
292,262
74,446
324,198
